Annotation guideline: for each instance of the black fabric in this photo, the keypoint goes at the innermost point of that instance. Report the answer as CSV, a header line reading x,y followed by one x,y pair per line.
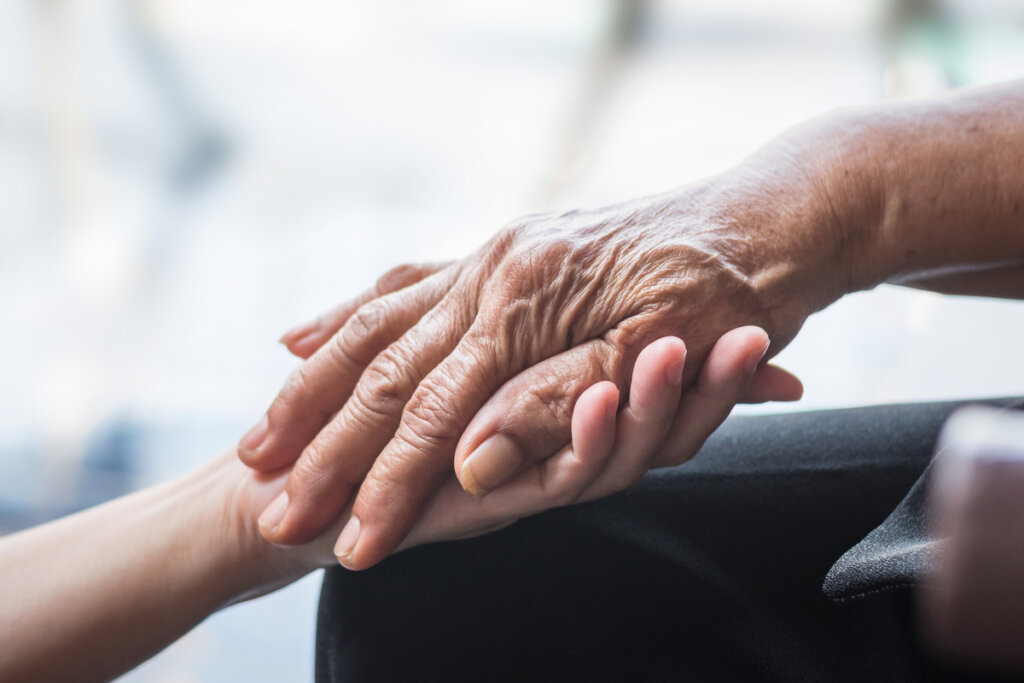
x,y
897,553
711,571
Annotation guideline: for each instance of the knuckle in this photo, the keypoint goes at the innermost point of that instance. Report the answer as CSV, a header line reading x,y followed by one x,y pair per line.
x,y
367,319
552,409
431,419
380,489
362,328
532,266
390,489
378,492
378,397
391,375
311,472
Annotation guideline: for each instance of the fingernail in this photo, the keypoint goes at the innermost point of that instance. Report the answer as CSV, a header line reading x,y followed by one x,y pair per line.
x,y
254,437
674,372
272,516
753,359
303,341
347,540
493,461
297,332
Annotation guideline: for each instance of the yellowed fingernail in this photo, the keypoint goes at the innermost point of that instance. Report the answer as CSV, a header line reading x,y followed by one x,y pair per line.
x,y
272,516
490,465
347,540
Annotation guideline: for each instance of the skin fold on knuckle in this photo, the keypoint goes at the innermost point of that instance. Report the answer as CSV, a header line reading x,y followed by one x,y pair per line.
x,y
400,480
362,330
432,419
392,376
312,474
381,491
536,408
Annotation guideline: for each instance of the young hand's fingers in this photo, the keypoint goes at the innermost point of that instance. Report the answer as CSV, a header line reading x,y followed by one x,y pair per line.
x,y
643,424
554,482
772,383
303,340
725,378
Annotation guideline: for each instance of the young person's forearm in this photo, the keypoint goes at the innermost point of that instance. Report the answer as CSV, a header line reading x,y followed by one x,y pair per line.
x,y
93,595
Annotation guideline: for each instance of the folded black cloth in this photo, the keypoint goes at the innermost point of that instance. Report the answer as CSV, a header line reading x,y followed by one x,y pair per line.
x,y
897,553
900,551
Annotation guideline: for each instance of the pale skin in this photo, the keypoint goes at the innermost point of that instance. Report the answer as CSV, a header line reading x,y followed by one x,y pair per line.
x,y
472,367
90,596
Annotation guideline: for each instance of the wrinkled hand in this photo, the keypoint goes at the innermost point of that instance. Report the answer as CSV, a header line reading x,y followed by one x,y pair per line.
x,y
483,360
610,449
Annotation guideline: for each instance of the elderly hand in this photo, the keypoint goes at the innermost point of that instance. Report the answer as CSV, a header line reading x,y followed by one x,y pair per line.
x,y
610,449
479,363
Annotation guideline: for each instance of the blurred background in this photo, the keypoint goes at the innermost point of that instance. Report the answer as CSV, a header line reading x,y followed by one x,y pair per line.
x,y
181,182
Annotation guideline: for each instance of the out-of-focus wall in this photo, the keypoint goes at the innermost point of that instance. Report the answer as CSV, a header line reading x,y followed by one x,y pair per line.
x,y
181,181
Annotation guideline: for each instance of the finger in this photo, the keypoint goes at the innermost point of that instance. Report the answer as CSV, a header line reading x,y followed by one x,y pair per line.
x,y
605,447
417,460
306,338
335,463
529,417
322,384
554,482
723,380
643,424
772,383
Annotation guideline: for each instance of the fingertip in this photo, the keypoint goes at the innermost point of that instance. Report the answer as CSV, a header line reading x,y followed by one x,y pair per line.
x,y
298,332
772,383
598,403
663,359
306,345
792,388
756,353
593,420
249,445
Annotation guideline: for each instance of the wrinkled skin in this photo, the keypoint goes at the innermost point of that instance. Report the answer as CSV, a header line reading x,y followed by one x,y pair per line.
x,y
609,450
436,360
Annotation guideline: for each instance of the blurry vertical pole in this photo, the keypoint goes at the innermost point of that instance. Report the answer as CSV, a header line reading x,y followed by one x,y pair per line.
x,y
919,49
81,248
74,159
621,35
199,149
203,148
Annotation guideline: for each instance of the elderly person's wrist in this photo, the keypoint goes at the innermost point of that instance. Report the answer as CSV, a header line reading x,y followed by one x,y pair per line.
x,y
796,221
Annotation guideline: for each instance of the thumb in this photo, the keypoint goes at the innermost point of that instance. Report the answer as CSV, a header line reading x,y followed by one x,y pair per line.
x,y
529,418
